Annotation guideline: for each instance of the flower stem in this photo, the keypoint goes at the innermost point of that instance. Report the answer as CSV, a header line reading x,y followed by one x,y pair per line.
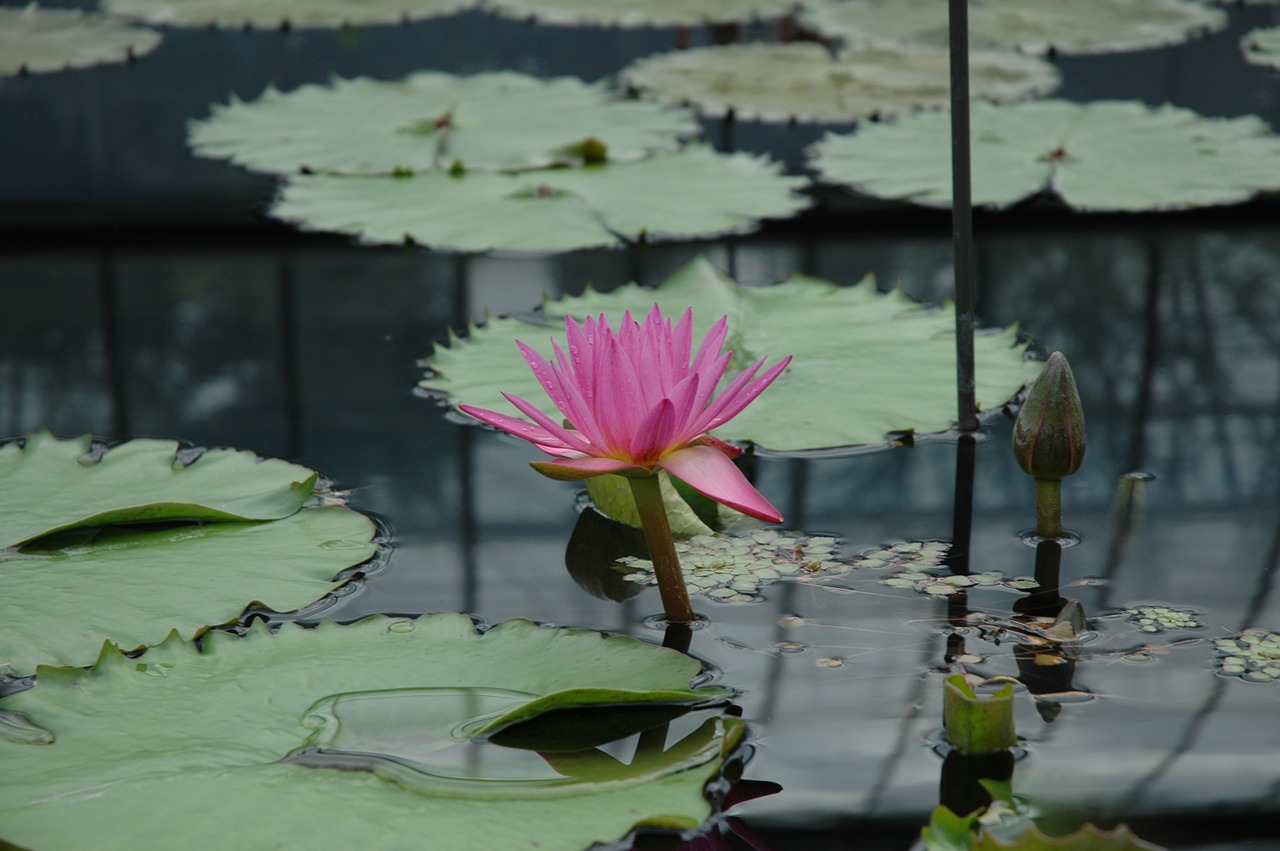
x,y
662,551
1049,508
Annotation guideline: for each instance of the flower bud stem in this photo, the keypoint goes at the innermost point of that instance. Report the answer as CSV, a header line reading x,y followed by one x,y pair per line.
x,y
1049,508
662,550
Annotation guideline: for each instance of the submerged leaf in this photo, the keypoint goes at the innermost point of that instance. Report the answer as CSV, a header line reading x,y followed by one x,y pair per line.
x,y
170,743
1031,26
695,193
432,121
292,14
1106,156
802,81
651,13
865,363
34,40
49,485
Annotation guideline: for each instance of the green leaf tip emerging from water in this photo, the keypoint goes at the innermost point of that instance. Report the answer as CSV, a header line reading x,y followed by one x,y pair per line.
x,y
167,743
865,364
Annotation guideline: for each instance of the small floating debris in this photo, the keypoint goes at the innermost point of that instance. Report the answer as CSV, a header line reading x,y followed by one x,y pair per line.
x,y
733,568
1253,655
1161,618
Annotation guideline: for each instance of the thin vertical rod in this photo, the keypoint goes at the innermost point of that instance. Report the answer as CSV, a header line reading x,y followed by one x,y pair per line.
x,y
962,216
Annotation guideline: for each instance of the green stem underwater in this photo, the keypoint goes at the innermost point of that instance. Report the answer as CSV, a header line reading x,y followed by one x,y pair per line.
x,y
1049,508
662,551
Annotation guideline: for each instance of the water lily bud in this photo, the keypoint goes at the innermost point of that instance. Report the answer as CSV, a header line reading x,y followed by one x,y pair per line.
x,y
1048,437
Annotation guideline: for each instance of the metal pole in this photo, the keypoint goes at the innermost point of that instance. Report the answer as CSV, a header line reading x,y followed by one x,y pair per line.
x,y
962,215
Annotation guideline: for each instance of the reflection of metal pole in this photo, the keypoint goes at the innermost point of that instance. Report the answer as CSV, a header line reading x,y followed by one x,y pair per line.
x,y
962,215
467,534
962,506
1150,357
289,366
111,344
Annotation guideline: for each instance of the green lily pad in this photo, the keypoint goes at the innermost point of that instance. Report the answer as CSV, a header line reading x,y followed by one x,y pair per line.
x,y
49,485
431,120
652,13
1087,838
695,193
802,81
270,14
1031,26
170,743
65,595
865,363
33,40
1262,47
1108,155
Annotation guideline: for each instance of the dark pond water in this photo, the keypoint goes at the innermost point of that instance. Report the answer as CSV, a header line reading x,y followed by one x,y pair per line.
x,y
142,298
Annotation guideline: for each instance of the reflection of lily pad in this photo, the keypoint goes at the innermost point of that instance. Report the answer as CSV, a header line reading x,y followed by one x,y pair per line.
x,y
1108,155
431,120
1262,47
651,13
132,586
694,193
294,14
49,485
34,39
168,744
865,363
779,82
1033,26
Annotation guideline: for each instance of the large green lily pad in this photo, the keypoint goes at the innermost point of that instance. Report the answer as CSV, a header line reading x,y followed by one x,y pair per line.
x,y
1032,26
691,194
1107,155
296,14
169,744
432,120
865,363
34,40
132,586
804,82
651,13
1262,47
49,485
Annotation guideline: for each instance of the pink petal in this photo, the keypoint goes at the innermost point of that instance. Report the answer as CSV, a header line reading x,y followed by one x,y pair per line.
x,y
682,345
712,344
563,436
710,472
654,433
736,397
522,429
572,469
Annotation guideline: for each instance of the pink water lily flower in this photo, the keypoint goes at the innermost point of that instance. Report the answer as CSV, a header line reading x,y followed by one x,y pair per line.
x,y
633,403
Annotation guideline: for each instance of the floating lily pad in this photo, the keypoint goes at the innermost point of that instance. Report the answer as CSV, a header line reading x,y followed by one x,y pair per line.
x,y
431,120
33,40
170,743
695,193
804,82
652,13
1108,155
1252,655
1262,47
1032,26
865,363
271,14
132,586
49,485
1161,618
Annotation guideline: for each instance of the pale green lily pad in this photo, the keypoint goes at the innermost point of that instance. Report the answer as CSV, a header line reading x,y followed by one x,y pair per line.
x,y
168,744
293,14
431,120
802,81
49,485
132,586
1153,619
1106,156
1262,47
695,193
33,40
866,364
1252,655
1031,26
651,13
